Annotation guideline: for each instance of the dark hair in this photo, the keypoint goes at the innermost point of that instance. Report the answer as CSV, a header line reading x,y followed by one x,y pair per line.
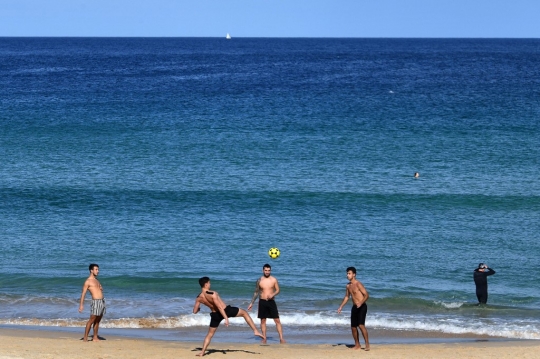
x,y
203,281
267,266
91,266
352,269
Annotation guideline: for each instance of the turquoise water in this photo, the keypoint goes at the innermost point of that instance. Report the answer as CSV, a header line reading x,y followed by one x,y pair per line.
x,y
164,160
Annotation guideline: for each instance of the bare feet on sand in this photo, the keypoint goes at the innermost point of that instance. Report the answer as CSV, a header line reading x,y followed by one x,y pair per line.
x,y
358,347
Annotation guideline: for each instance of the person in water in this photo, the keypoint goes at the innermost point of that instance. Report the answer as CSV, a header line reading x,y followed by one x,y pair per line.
x,y
480,275
219,312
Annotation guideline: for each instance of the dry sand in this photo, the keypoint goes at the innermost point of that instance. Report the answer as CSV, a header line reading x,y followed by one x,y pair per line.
x,y
29,344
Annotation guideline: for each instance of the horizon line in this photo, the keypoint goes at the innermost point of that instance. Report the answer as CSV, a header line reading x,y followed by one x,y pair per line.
x,y
265,37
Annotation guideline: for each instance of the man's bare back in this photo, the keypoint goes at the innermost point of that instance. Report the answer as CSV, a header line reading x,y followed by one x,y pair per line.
x,y
220,311
209,298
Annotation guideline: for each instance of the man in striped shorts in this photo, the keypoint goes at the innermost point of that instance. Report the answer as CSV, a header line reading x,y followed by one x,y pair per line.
x,y
97,308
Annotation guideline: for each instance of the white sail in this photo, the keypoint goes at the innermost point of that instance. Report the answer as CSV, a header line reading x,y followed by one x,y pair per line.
x,y
228,37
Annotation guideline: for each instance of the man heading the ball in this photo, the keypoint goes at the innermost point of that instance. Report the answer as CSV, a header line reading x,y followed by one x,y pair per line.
x,y
220,311
266,288
359,295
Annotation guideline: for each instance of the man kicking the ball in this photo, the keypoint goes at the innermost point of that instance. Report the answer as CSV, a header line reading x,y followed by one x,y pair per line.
x,y
219,310
359,309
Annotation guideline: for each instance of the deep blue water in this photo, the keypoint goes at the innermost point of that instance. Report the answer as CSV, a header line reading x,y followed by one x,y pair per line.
x,y
164,160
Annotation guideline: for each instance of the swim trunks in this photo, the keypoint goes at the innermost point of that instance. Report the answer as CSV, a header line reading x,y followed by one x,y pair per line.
x,y
358,315
216,317
98,307
267,309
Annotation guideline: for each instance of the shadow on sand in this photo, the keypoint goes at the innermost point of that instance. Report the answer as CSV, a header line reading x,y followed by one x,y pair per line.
x,y
223,351
91,338
346,345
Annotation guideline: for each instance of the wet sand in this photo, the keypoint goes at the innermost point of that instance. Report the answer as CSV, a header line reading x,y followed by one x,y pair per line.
x,y
29,344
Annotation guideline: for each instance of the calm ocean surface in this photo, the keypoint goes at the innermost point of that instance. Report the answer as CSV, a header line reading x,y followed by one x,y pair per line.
x,y
164,160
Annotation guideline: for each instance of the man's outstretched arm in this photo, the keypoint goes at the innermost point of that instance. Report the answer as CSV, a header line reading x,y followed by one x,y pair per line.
x,y
83,294
345,299
221,307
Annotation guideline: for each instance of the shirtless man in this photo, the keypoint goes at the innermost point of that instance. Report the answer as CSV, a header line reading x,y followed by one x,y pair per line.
x,y
267,288
219,310
98,302
359,309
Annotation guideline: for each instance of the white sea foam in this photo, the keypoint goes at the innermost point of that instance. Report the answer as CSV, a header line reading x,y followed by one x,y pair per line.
x,y
507,330
451,305
323,320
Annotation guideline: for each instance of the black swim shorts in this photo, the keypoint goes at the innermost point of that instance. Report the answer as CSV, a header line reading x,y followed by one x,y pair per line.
x,y
216,317
267,309
358,315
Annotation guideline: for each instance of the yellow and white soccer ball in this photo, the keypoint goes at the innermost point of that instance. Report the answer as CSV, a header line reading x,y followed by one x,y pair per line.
x,y
274,252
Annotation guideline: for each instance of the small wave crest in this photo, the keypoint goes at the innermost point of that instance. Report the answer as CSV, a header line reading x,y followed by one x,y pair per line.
x,y
450,305
455,326
321,320
134,323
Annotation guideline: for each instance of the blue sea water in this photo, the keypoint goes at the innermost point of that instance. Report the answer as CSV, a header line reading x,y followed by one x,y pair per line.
x,y
164,160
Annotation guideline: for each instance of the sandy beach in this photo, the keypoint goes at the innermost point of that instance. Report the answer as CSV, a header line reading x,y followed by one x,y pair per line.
x,y
29,344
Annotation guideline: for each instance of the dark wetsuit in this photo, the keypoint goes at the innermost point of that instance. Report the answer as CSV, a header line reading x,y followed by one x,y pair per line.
x,y
480,279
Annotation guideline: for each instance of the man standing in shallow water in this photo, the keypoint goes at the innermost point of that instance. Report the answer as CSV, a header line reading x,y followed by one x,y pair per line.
x,y
480,280
98,302
359,309
267,288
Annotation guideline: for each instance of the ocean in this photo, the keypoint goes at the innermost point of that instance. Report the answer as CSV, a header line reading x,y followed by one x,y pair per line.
x,y
168,159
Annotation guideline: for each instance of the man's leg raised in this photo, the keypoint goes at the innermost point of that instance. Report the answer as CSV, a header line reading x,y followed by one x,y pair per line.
x,y
242,313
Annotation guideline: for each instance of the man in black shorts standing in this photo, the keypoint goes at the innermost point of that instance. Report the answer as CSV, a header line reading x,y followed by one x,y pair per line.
x,y
267,287
359,309
219,312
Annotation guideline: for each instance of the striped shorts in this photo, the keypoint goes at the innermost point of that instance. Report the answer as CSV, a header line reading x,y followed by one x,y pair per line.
x,y
98,307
